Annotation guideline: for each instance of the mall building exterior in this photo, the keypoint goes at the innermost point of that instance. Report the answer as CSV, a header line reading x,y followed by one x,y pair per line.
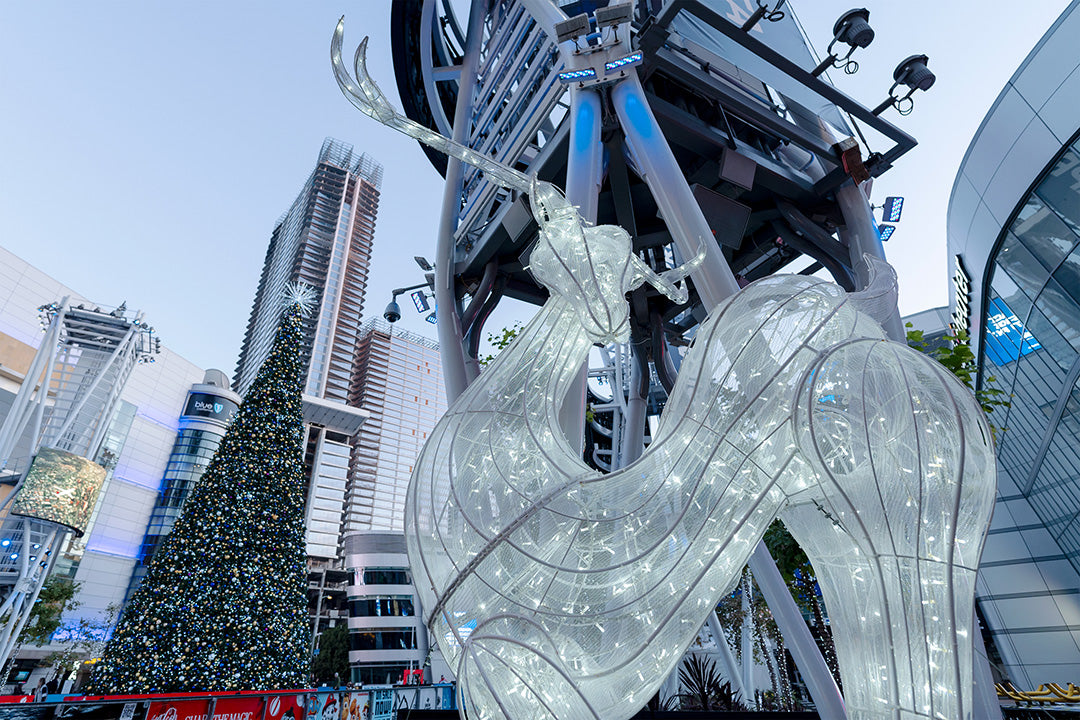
x,y
1014,250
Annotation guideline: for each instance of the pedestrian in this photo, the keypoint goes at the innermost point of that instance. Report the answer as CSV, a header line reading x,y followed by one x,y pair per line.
x,y
40,691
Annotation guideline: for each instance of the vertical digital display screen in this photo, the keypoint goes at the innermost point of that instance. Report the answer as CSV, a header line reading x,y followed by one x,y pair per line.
x,y
60,487
1006,337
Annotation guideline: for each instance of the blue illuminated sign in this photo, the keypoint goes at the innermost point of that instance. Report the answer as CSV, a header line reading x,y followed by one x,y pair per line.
x,y
1006,337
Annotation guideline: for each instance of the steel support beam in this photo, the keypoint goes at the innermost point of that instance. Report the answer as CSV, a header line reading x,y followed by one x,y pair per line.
x,y
584,173
715,282
448,318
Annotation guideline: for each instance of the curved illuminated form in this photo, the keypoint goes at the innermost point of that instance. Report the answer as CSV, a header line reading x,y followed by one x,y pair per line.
x,y
559,592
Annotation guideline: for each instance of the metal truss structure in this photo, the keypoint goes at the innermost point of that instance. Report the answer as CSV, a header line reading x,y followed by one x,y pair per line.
x,y
66,401
682,121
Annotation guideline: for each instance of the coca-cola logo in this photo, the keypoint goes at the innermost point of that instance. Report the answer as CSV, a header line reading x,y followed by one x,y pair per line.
x,y
169,714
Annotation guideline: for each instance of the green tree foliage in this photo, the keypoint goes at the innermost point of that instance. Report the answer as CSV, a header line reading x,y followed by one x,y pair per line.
x,y
223,605
957,356
57,596
332,662
500,341
787,554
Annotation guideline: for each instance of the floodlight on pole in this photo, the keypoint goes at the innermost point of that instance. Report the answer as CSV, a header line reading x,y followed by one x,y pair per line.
x,y
614,15
890,211
423,263
886,231
420,301
572,28
913,74
853,29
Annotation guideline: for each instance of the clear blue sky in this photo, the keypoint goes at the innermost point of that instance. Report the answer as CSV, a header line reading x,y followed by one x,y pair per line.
x,y
148,148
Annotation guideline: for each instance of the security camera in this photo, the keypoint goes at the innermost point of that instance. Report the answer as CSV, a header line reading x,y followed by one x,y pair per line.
x,y
392,313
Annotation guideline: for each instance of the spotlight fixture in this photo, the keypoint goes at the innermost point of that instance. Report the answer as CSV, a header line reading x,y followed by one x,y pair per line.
x,y
890,211
420,301
572,28
886,231
423,263
913,74
432,319
623,63
613,15
853,29
572,76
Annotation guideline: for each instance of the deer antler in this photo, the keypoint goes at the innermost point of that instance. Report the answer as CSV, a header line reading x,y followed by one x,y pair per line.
x,y
370,100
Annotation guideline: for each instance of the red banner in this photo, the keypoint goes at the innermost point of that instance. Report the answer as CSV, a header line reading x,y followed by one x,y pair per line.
x,y
284,707
177,709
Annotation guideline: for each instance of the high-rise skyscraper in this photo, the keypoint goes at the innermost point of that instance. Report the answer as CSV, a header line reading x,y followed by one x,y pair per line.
x,y
399,382
323,240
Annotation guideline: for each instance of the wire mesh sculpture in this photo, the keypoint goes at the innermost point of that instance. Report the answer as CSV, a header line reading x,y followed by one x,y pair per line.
x,y
559,592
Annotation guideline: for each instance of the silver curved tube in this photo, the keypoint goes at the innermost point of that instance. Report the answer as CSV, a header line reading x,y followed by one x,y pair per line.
x,y
878,298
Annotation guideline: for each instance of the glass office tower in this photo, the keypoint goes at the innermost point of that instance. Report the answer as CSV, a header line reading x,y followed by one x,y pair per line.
x,y
399,382
1014,236
324,240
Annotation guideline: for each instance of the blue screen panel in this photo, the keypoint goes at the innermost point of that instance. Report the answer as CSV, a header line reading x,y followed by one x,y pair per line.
x,y
1006,337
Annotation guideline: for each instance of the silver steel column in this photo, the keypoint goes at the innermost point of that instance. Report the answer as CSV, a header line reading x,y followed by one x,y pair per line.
x,y
715,282
584,172
448,319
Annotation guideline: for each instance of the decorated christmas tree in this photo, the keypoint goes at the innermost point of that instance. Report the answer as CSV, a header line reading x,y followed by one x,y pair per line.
x,y
223,604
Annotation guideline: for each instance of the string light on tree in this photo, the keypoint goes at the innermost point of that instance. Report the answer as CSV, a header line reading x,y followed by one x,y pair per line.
x,y
223,604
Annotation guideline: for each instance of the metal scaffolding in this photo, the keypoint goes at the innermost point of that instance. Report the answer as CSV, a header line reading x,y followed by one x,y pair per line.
x,y
66,401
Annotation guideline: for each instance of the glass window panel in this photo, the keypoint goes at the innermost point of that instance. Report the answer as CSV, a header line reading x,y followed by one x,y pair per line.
x,y
1059,303
1060,188
1043,232
1025,270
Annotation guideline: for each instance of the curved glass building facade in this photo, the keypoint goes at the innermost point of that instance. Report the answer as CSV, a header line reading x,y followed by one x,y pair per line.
x,y
206,415
1014,232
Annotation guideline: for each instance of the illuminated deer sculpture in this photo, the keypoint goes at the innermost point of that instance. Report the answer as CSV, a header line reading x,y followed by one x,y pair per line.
x,y
559,592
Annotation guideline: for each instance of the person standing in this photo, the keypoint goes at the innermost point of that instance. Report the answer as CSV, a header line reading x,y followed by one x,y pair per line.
x,y
40,692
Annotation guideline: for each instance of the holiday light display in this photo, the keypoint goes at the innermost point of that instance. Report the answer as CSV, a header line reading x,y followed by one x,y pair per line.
x,y
223,605
559,592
